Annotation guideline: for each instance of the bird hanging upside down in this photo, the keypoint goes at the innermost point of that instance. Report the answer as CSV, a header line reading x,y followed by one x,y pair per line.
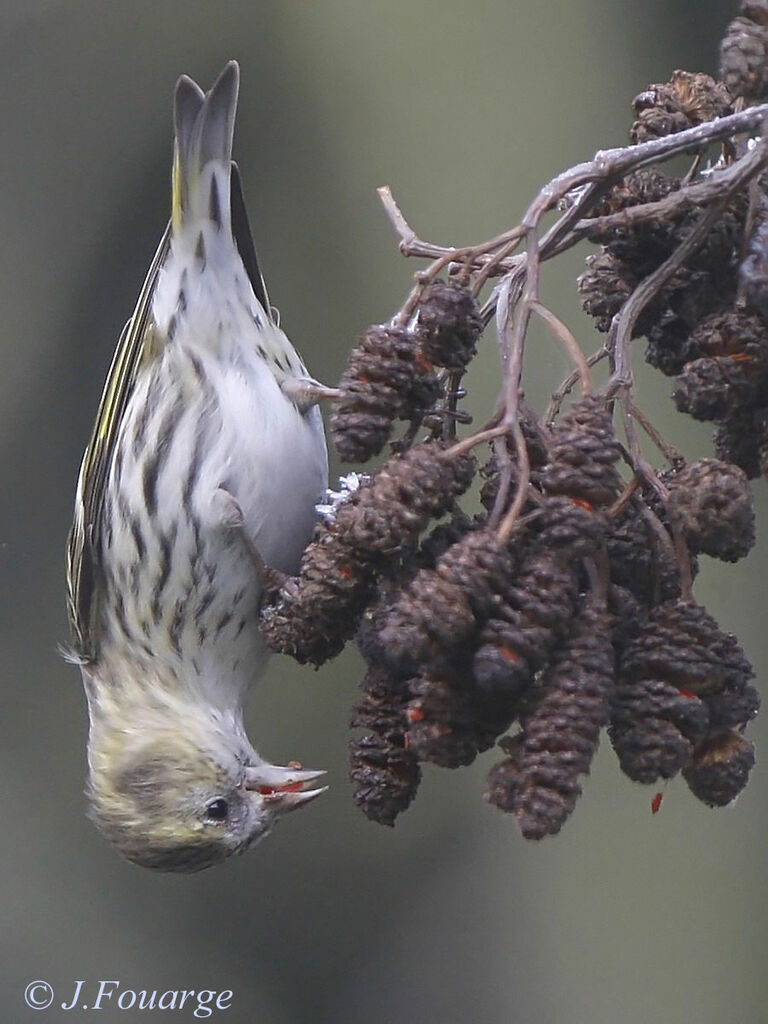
x,y
205,463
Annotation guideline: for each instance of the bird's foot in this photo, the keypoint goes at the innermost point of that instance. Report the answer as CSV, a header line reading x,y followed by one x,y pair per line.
x,y
305,393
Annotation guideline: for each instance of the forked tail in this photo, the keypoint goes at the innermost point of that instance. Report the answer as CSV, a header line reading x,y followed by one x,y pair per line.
x,y
204,126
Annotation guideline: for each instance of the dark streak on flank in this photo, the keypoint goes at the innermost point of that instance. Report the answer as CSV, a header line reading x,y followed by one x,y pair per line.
x,y
107,532
142,422
117,471
119,609
214,208
203,606
197,544
200,250
194,571
167,541
138,538
223,622
199,372
191,477
123,507
206,390
177,624
210,569
157,460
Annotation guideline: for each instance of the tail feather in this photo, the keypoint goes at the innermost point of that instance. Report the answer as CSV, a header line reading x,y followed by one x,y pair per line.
x,y
204,126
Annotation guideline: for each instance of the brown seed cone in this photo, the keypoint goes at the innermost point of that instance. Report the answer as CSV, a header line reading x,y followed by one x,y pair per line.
x,y
583,455
628,616
638,188
671,342
744,53
372,532
702,289
491,471
442,537
686,100
386,775
498,668
654,727
437,613
719,769
386,778
381,709
729,333
451,722
384,517
448,324
362,425
632,554
568,527
561,732
682,645
732,709
712,502
605,286
531,617
386,378
316,612
738,439
713,387
534,613
503,777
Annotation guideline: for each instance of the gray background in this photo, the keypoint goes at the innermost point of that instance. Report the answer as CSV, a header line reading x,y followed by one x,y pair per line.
x,y
464,109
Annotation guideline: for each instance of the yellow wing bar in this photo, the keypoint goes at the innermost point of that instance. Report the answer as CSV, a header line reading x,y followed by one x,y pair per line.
x,y
83,544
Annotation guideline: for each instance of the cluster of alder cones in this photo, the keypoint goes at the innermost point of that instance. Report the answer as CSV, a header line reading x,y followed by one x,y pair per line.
x,y
538,625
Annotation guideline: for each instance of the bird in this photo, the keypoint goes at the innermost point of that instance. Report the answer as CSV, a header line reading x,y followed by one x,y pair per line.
x,y
204,466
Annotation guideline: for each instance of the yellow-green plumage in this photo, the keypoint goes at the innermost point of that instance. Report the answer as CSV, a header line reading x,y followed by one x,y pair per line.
x,y
200,456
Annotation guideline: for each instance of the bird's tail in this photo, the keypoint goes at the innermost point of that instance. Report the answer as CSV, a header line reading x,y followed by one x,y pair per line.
x,y
203,126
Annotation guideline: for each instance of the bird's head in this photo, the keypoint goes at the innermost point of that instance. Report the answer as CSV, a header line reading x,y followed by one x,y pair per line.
x,y
172,800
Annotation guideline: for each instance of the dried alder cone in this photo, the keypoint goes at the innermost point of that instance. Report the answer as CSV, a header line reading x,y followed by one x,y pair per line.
x,y
561,602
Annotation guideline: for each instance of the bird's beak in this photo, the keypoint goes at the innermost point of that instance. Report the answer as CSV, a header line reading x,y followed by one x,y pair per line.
x,y
284,788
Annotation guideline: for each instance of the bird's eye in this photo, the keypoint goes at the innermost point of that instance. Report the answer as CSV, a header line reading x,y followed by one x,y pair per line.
x,y
217,810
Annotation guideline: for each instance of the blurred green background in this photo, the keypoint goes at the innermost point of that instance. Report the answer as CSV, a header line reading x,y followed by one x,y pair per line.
x,y
465,110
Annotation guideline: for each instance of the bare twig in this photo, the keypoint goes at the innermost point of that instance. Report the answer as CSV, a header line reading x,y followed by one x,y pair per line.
x,y
568,384
569,343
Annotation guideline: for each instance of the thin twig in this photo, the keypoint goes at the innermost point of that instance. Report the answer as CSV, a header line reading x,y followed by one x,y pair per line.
x,y
670,453
606,167
569,343
470,442
567,386
674,205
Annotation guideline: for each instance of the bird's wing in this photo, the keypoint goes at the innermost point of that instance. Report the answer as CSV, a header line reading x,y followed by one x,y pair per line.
x,y
241,229
83,544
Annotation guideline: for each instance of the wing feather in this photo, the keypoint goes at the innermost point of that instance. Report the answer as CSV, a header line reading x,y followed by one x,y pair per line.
x,y
83,545
241,229
83,548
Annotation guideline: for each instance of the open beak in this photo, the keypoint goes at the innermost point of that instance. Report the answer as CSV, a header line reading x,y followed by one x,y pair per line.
x,y
284,788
